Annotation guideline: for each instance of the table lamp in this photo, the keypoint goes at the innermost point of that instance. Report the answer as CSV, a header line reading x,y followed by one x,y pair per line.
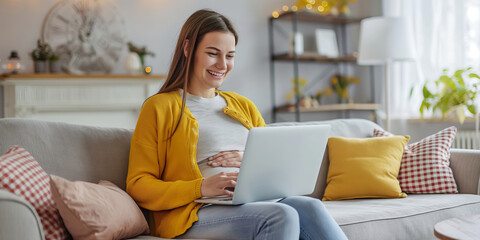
x,y
384,40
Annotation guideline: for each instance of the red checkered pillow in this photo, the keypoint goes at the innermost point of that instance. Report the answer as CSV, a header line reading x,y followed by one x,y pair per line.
x,y
21,175
425,164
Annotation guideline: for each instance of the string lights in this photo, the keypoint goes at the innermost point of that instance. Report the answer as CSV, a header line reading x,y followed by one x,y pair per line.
x,y
323,7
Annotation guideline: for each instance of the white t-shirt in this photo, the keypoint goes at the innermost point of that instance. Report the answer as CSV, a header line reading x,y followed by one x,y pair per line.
x,y
217,131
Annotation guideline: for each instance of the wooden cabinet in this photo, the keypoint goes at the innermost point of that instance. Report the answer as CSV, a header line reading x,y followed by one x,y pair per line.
x,y
97,100
345,58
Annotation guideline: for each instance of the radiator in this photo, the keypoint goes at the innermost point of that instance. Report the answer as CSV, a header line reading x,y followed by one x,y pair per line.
x,y
466,140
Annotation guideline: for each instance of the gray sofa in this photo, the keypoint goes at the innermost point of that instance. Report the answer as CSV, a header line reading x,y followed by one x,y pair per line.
x,y
91,153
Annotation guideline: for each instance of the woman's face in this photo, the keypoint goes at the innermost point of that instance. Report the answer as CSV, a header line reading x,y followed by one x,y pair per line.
x,y
212,62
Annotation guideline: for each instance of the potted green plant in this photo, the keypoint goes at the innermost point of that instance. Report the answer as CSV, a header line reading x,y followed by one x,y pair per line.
x,y
141,51
40,55
54,63
452,95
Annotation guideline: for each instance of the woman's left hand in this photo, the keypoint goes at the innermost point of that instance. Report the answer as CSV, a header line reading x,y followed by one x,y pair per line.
x,y
226,159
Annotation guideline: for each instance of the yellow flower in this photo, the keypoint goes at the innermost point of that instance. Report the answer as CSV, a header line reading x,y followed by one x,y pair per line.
x,y
289,96
328,91
301,81
345,94
334,80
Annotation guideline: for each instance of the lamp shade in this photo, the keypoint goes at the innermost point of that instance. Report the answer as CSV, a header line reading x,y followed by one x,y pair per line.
x,y
384,39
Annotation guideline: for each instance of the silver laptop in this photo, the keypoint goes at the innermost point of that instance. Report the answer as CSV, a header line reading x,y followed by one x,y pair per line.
x,y
278,162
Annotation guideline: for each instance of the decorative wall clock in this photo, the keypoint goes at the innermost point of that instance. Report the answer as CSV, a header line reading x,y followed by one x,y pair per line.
x,y
89,35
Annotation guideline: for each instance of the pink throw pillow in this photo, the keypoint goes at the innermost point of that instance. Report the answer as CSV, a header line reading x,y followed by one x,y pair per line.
x,y
21,175
425,166
97,211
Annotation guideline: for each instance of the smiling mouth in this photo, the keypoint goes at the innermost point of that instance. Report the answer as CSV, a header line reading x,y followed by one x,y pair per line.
x,y
215,73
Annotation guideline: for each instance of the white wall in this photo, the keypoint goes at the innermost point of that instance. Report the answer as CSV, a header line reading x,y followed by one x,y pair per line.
x,y
156,24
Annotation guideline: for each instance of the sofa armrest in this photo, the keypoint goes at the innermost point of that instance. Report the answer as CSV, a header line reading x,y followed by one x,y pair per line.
x,y
465,164
18,219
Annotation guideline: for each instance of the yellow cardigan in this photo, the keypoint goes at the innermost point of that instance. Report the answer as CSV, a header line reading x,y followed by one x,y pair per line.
x,y
163,174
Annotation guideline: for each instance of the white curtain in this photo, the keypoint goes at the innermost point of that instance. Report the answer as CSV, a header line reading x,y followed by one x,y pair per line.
x,y
446,35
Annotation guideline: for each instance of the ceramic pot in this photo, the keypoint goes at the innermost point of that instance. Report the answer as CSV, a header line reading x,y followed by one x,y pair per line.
x,y
40,66
133,64
55,67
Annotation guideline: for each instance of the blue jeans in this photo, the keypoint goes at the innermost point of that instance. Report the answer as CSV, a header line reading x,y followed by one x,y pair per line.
x,y
291,218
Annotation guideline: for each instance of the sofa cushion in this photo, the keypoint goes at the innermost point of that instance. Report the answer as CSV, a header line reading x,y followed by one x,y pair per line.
x,y
364,168
353,127
97,211
412,217
21,175
425,164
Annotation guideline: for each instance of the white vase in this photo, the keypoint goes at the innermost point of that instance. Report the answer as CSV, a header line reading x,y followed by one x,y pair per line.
x,y
133,64
298,46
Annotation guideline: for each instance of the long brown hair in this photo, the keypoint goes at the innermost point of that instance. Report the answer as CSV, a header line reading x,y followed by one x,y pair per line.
x,y
197,25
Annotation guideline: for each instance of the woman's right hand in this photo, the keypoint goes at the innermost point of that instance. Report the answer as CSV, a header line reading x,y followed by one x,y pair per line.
x,y
216,184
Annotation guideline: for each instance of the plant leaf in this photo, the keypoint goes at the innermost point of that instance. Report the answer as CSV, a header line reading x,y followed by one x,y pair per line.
x,y
472,109
460,80
459,73
422,107
473,75
426,92
447,81
444,108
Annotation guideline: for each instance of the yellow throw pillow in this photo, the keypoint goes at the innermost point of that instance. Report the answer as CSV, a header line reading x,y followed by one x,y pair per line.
x,y
364,168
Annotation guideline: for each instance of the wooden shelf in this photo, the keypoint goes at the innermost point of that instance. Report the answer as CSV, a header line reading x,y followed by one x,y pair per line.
x,y
72,76
315,17
314,57
340,23
331,107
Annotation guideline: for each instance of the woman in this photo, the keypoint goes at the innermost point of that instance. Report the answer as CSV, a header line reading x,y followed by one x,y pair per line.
x,y
188,144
